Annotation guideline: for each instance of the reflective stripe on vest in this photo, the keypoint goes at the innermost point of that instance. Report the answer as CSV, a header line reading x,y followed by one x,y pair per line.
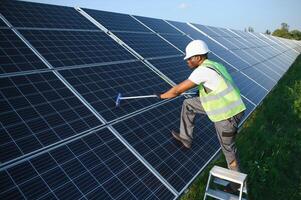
x,y
225,109
218,95
223,102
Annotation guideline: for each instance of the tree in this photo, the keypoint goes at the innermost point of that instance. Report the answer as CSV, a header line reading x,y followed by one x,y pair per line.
x,y
296,34
249,29
284,32
284,26
268,32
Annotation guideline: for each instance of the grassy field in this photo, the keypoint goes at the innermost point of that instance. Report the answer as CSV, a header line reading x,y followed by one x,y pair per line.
x,y
269,144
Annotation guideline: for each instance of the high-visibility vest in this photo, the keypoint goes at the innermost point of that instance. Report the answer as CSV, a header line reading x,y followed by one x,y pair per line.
x,y
223,102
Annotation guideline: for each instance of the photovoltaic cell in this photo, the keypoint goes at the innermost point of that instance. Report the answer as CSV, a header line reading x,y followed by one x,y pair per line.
x,y
260,78
150,134
15,56
148,44
38,110
97,166
2,24
158,25
25,14
117,21
180,41
47,148
249,88
269,70
101,85
213,46
174,68
69,48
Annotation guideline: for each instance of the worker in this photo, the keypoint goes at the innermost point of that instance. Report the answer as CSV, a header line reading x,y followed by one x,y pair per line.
x,y
219,98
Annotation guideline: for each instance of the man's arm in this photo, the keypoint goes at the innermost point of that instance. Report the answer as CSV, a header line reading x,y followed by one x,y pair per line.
x,y
178,89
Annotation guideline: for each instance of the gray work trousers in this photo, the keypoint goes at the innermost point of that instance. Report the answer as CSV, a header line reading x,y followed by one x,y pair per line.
x,y
226,129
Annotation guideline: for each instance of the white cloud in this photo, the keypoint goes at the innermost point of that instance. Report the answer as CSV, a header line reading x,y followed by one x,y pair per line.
x,y
183,6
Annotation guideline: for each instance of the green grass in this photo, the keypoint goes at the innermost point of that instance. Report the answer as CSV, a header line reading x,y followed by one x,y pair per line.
x,y
269,144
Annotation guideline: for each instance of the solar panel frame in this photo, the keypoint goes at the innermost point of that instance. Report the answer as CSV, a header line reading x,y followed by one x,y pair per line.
x,y
148,45
250,89
38,15
15,56
180,41
149,133
116,21
76,168
100,85
94,166
157,25
38,110
76,48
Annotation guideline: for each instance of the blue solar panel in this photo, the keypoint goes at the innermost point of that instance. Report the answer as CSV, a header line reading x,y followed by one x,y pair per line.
x,y
269,70
116,21
232,59
100,85
25,14
259,77
69,48
174,68
249,88
213,46
15,56
158,25
2,24
179,41
148,44
97,166
38,110
53,147
150,134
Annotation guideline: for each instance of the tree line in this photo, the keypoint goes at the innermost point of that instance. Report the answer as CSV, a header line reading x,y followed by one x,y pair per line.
x,y
283,32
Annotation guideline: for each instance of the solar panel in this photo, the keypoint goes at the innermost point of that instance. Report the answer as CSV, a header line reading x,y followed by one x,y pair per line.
x,y
38,110
37,15
174,68
2,24
264,80
150,134
70,48
158,25
100,86
15,56
213,46
179,41
249,88
54,147
116,21
148,45
95,166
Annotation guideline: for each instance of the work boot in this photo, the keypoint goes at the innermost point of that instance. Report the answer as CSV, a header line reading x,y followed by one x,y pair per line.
x,y
185,142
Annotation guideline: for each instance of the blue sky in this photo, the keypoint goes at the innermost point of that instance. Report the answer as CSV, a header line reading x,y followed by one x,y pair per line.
x,y
235,14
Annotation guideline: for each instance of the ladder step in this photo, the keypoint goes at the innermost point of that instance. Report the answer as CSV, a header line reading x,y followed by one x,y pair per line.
x,y
220,181
225,183
228,175
221,195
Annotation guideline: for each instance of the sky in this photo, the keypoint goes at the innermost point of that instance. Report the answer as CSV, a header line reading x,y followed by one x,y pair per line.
x,y
235,14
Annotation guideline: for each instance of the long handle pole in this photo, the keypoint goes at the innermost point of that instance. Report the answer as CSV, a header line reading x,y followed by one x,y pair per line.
x,y
149,96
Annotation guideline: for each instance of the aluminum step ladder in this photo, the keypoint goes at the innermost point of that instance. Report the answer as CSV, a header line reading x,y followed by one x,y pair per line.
x,y
223,176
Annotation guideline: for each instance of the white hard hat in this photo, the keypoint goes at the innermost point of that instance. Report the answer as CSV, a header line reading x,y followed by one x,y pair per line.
x,y
196,47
